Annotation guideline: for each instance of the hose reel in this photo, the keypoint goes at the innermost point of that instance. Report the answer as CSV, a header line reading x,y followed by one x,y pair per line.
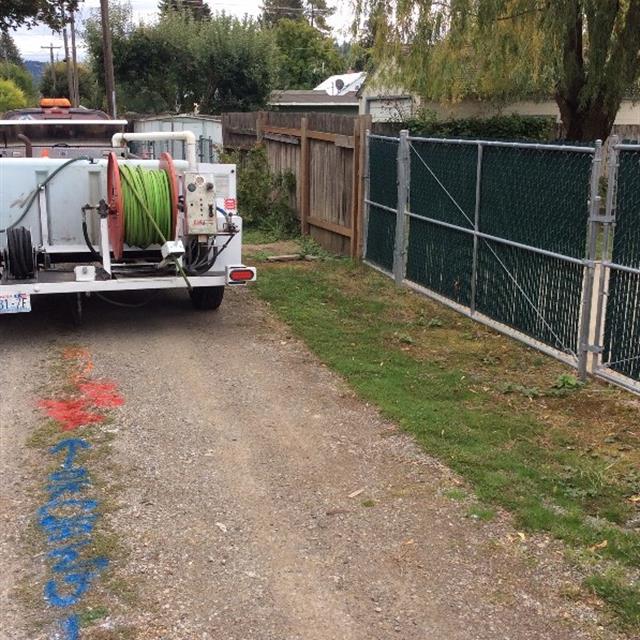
x,y
133,190
20,258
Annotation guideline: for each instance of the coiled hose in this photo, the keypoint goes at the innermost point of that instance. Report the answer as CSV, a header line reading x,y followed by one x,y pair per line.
x,y
146,189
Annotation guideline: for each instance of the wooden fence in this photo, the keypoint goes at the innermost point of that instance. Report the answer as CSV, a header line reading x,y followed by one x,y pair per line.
x,y
325,152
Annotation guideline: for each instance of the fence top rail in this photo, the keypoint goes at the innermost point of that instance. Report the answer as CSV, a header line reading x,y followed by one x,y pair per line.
x,y
517,145
390,138
629,146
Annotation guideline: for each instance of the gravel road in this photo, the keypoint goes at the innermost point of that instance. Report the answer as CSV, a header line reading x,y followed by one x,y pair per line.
x,y
261,500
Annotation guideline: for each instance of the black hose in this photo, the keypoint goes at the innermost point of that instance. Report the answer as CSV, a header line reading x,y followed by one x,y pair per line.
x,y
34,193
94,254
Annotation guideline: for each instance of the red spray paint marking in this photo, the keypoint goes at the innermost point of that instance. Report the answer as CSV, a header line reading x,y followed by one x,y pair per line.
x,y
101,394
71,413
80,409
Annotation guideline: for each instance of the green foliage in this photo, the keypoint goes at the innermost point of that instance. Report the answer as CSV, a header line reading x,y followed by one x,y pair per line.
x,y
306,56
264,197
21,78
86,83
16,13
584,53
11,96
221,64
511,127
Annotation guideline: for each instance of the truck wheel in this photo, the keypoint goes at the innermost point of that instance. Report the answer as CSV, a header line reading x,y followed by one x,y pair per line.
x,y
207,298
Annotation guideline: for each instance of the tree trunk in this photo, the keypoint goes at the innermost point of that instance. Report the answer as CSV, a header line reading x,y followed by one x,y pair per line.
x,y
587,122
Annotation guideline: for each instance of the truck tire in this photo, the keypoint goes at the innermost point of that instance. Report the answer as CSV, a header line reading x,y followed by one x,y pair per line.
x,y
207,298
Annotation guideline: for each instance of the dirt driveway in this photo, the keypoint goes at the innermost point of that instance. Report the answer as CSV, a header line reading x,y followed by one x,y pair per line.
x,y
255,498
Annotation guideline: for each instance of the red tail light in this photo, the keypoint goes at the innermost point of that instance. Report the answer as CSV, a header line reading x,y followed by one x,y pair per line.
x,y
241,275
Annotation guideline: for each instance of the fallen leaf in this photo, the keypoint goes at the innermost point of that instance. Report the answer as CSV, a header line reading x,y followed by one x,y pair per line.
x,y
600,545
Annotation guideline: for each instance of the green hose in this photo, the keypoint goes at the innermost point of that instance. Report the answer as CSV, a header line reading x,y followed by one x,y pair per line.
x,y
151,193
145,191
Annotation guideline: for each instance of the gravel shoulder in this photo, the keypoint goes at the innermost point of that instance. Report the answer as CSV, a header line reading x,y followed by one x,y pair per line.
x,y
260,499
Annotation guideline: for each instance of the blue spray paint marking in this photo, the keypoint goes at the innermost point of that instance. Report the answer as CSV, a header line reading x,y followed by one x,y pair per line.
x,y
71,628
68,519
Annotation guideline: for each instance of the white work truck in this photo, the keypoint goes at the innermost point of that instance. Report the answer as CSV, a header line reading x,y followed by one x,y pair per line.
x,y
74,202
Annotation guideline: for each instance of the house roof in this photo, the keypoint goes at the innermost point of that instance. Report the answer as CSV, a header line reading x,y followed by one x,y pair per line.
x,y
297,97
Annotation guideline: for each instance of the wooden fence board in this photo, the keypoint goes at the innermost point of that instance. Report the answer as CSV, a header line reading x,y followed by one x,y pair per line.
x,y
325,152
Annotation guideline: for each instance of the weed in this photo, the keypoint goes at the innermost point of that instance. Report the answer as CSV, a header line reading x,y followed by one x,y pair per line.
x,y
480,512
455,494
567,381
368,503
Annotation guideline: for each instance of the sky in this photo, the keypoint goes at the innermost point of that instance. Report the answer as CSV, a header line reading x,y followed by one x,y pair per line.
x,y
30,41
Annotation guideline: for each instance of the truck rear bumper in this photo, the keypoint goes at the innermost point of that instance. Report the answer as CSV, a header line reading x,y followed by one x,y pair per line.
x,y
52,283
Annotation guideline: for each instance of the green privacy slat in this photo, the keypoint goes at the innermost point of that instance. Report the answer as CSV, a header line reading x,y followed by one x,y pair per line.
x,y
545,302
622,325
440,259
454,167
536,197
383,161
380,237
383,189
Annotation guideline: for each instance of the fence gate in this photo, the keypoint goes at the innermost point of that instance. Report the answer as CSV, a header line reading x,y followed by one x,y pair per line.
x,y
506,233
619,277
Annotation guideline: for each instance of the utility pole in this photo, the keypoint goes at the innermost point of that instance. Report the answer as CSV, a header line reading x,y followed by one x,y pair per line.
x,y
74,58
51,47
67,55
109,78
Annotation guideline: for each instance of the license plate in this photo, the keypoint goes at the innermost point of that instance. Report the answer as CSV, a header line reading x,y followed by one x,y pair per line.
x,y
15,303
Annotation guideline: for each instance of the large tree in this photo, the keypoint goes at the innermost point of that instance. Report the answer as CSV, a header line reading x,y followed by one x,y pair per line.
x,y
584,52
198,9
8,50
318,13
222,64
275,10
306,56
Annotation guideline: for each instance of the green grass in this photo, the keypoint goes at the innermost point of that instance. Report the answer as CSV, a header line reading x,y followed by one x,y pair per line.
x,y
256,235
386,345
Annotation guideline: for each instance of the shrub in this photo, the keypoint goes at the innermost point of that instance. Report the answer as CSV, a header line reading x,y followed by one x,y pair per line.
x,y
264,197
11,96
511,127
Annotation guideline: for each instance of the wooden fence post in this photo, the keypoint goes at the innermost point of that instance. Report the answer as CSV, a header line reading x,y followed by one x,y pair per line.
x,y
355,189
365,124
305,191
261,119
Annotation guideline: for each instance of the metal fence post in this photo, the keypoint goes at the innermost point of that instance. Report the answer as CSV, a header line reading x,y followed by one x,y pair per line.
x,y
400,242
608,222
367,181
584,346
476,230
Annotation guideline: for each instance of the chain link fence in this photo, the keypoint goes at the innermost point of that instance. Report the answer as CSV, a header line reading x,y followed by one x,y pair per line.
x,y
619,300
506,233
